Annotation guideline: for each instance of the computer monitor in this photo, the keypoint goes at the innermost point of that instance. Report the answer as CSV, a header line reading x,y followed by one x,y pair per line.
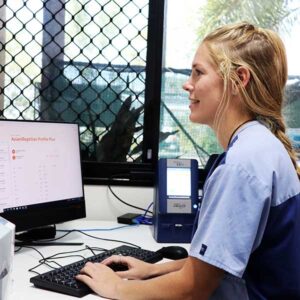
x,y
40,173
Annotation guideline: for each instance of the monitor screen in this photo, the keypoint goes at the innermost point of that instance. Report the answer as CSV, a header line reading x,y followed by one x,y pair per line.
x,y
40,173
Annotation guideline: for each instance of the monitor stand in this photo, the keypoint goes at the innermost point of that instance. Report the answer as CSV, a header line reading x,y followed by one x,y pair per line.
x,y
40,236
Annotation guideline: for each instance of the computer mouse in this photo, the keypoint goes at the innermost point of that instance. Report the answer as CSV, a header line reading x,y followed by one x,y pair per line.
x,y
173,252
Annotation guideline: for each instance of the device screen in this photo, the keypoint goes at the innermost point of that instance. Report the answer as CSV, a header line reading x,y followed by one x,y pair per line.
x,y
39,163
179,182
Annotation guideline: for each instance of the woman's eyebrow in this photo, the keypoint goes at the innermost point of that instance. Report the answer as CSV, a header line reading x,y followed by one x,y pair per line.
x,y
195,65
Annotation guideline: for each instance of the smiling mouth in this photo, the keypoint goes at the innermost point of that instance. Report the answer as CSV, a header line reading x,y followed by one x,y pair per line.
x,y
193,101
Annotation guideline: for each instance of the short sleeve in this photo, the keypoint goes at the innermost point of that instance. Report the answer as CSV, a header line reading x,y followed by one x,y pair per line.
x,y
232,219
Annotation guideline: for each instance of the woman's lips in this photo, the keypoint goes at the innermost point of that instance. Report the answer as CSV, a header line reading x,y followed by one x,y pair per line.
x,y
193,102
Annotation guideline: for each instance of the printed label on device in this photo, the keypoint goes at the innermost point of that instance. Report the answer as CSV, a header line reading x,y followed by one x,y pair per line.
x,y
182,206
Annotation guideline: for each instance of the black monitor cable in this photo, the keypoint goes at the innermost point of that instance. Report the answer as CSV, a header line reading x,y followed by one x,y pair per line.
x,y
61,255
122,201
97,238
51,259
67,232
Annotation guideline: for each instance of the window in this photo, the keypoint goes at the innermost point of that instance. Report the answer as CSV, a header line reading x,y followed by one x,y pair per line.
x,y
188,21
117,68
87,62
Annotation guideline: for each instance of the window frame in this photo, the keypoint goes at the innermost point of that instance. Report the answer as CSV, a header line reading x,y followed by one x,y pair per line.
x,y
131,173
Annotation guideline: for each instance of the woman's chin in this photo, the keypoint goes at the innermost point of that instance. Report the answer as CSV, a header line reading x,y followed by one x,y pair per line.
x,y
195,119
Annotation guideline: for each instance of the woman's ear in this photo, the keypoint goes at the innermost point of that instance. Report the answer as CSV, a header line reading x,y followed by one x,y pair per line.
x,y
244,75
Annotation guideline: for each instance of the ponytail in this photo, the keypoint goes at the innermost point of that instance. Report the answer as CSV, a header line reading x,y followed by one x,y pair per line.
x,y
278,128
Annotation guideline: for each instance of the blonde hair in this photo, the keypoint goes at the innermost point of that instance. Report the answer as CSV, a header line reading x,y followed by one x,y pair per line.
x,y
262,52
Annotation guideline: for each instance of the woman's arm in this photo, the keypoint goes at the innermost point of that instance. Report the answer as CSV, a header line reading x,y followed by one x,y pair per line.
x,y
195,280
167,267
138,269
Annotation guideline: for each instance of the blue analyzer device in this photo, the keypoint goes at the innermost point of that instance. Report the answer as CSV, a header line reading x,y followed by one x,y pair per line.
x,y
176,200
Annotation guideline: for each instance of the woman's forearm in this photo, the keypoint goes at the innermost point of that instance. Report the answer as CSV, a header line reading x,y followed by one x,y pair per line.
x,y
194,279
168,286
167,267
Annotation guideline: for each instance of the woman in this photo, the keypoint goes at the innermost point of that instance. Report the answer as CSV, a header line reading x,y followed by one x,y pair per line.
x,y
247,242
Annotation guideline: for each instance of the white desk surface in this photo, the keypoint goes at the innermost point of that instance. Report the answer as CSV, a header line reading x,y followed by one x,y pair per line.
x,y
25,259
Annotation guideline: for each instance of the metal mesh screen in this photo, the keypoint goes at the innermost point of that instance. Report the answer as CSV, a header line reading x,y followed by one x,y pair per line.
x,y
78,61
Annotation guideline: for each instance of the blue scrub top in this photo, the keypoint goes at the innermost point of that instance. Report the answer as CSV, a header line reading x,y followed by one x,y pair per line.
x,y
249,220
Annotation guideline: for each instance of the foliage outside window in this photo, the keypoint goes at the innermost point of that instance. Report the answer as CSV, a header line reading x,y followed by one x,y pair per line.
x,y
186,24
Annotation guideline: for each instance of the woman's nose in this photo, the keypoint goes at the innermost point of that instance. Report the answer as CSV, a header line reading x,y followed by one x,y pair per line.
x,y
187,86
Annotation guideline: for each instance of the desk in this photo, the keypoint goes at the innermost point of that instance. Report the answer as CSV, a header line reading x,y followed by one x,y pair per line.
x,y
22,289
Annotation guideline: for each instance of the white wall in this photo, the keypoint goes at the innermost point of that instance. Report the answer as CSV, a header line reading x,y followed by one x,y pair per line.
x,y
101,204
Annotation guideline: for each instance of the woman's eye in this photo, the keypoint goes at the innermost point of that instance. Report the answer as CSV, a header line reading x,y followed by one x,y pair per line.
x,y
198,72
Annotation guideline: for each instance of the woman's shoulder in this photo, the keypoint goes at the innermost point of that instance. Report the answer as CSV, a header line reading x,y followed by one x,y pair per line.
x,y
256,143
258,152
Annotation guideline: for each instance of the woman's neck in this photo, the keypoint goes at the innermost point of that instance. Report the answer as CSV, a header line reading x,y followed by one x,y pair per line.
x,y
227,131
235,130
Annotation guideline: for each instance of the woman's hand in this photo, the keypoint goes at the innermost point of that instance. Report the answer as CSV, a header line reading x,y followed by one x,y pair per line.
x,y
137,269
101,279
104,281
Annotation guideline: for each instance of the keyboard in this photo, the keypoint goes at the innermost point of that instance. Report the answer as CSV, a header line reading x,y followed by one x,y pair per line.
x,y
62,280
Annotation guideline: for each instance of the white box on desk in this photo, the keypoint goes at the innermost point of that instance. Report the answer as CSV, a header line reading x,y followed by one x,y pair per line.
x,y
7,245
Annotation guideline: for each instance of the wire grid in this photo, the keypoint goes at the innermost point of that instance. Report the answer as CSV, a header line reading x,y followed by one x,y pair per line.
x,y
75,61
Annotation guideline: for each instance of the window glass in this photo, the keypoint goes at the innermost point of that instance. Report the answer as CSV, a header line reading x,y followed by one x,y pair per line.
x,y
188,21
